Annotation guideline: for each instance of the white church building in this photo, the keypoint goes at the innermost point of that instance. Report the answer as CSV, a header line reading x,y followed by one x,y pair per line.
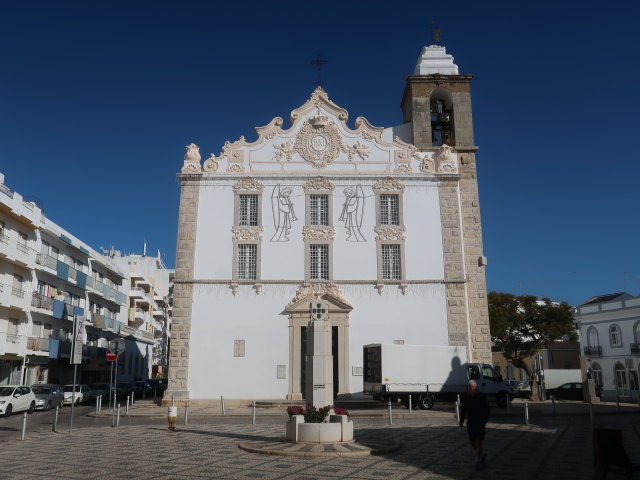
x,y
381,223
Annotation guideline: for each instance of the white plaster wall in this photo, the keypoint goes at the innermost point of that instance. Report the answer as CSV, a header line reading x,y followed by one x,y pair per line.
x,y
219,318
351,260
213,241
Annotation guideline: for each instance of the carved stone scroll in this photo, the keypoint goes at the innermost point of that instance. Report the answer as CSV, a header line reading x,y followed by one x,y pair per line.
x,y
310,233
386,184
318,183
248,183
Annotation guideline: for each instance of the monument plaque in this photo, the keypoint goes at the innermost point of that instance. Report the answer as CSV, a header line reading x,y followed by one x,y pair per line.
x,y
319,391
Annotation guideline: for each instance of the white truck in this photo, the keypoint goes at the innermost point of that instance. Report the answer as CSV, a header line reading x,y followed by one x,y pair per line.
x,y
427,373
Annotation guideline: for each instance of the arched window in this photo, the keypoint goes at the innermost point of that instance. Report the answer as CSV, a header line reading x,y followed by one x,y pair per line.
x,y
620,376
614,336
592,337
441,109
596,372
636,332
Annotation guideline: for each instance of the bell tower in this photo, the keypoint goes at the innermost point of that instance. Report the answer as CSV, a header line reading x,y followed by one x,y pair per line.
x,y
437,105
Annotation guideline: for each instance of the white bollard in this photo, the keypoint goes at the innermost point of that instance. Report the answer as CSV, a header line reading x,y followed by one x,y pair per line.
x,y
55,420
172,417
127,406
458,411
253,417
222,405
410,406
390,414
186,412
97,403
526,413
24,425
118,416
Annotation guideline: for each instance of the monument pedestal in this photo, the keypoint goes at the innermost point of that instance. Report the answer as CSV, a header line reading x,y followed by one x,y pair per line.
x,y
338,429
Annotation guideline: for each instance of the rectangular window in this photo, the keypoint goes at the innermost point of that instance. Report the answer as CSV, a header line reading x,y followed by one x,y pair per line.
x,y
389,212
238,348
247,261
319,262
319,210
248,214
390,262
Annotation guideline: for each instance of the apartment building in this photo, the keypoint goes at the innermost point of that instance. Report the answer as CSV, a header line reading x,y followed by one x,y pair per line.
x,y
149,307
47,277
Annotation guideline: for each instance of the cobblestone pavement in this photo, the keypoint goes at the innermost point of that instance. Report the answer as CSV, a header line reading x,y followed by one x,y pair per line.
x,y
432,448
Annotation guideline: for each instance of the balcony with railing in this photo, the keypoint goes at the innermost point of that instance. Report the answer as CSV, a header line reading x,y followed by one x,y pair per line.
x,y
38,344
12,343
593,351
12,296
39,301
46,261
635,349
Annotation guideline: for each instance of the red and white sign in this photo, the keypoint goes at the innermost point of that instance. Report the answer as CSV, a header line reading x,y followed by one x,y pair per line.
x,y
111,357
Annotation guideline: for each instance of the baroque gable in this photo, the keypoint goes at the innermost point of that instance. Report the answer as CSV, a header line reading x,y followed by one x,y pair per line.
x,y
320,142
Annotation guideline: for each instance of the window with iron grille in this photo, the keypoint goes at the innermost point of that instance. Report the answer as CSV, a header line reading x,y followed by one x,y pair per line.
x,y
319,262
390,262
247,261
248,213
389,212
319,209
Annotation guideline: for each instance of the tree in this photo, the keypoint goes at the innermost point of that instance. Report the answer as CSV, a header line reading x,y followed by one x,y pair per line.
x,y
522,325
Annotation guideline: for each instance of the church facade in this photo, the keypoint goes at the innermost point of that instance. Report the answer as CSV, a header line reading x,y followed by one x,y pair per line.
x,y
381,223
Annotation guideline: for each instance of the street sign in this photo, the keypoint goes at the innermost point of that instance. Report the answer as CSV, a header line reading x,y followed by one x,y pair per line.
x,y
78,340
111,357
117,346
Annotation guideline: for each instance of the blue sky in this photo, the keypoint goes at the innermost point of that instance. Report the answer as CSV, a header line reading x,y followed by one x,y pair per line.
x,y
99,98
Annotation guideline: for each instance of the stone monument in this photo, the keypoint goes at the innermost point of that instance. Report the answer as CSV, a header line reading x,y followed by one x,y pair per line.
x,y
319,391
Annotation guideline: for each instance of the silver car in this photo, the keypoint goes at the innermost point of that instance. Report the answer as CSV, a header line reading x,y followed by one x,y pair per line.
x,y
48,395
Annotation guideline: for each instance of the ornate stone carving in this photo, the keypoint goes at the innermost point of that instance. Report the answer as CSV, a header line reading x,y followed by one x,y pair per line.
x,y
387,183
235,168
318,183
310,233
402,168
192,154
379,287
445,161
211,164
258,288
426,163
317,290
248,183
404,287
234,288
254,233
319,142
283,151
359,149
191,168
389,233
191,159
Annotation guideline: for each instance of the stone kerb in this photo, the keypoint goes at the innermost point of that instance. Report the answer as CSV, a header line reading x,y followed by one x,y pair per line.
x,y
338,429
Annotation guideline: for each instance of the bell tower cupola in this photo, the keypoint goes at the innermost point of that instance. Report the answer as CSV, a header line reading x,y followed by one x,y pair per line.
x,y
437,101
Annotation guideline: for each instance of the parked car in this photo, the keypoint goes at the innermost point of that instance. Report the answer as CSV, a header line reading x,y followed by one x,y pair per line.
x,y
124,389
48,395
98,389
16,398
566,391
82,394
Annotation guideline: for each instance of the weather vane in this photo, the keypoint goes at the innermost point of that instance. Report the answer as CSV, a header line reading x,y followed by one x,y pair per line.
x,y
319,62
435,33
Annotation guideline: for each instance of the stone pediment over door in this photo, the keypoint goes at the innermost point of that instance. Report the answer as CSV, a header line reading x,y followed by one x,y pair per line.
x,y
308,292
319,140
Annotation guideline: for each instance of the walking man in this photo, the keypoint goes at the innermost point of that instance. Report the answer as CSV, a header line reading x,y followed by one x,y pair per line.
x,y
476,410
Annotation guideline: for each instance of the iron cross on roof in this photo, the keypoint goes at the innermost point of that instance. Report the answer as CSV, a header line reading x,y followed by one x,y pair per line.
x,y
319,62
319,310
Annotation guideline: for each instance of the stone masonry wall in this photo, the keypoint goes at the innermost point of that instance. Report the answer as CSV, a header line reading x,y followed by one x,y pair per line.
x,y
183,292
